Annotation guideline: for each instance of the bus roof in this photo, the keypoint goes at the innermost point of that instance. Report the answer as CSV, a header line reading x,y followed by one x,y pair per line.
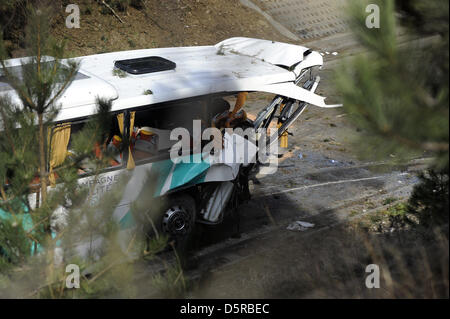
x,y
234,65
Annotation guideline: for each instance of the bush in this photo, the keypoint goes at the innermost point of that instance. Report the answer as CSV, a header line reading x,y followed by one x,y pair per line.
x,y
429,200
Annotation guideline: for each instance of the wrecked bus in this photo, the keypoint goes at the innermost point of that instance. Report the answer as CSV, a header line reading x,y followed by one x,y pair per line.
x,y
154,92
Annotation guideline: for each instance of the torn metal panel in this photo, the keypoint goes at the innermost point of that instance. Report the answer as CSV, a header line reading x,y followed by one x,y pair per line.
x,y
276,53
217,202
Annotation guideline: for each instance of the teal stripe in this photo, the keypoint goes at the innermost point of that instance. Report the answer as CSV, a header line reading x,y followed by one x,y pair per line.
x,y
127,221
185,173
24,219
162,170
182,174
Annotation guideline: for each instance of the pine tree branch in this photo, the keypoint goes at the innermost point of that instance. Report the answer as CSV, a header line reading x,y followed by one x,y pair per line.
x,y
114,263
38,57
110,266
389,133
3,193
5,198
63,87
17,87
7,132
37,224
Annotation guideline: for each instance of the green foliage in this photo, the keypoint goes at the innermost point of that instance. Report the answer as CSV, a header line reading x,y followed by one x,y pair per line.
x,y
398,94
389,200
18,148
13,247
8,4
69,217
28,227
397,215
415,15
156,245
430,199
24,153
171,284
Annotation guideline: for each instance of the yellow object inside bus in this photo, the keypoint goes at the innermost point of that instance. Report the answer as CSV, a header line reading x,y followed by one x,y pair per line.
x,y
59,138
284,137
120,120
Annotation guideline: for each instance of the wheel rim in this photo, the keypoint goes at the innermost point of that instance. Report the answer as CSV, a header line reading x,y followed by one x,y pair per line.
x,y
177,221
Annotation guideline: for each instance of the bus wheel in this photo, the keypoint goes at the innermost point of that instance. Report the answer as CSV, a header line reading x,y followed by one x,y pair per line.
x,y
178,221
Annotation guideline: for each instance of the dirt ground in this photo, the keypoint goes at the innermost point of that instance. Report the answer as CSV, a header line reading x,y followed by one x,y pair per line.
x,y
160,24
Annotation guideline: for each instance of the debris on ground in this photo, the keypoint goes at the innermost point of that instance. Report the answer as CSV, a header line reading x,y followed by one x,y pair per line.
x,y
299,226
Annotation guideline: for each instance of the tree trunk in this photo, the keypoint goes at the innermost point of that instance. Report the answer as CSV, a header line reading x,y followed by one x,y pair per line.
x,y
42,162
